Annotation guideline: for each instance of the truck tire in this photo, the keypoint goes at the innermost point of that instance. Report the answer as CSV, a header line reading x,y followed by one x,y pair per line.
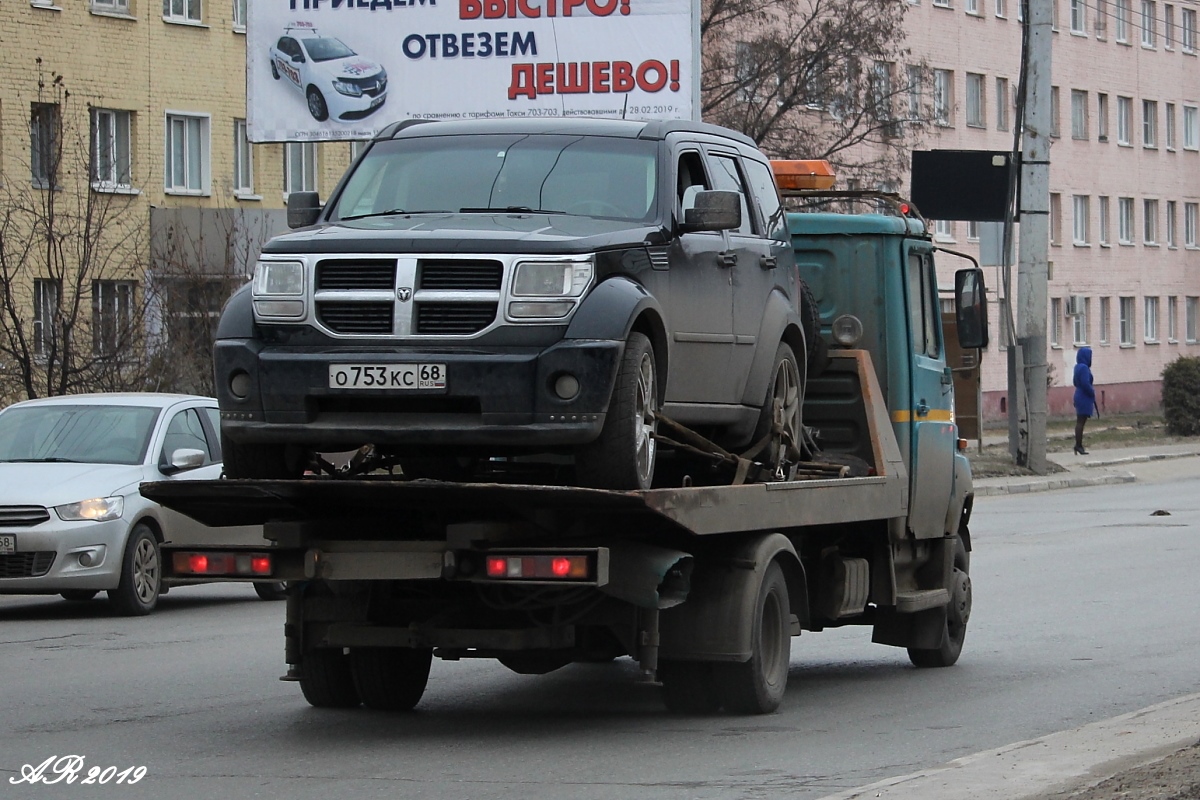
x,y
785,387
253,460
958,613
326,679
623,456
390,678
141,571
689,687
757,686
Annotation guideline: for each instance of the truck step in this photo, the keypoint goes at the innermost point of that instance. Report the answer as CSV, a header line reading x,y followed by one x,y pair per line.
x,y
920,600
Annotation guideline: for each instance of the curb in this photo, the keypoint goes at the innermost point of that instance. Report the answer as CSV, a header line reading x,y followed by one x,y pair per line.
x,y
1140,459
1051,484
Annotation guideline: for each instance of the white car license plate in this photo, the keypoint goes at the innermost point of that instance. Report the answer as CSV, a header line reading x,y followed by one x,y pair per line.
x,y
387,376
8,544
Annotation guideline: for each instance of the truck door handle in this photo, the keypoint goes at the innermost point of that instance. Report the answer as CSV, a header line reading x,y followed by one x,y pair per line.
x,y
726,258
768,262
922,409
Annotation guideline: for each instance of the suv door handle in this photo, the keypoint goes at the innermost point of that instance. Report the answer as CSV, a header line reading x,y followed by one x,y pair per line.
x,y
768,262
727,258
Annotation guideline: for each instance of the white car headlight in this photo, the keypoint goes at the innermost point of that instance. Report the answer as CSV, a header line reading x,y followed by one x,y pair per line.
x,y
551,278
98,509
278,279
347,88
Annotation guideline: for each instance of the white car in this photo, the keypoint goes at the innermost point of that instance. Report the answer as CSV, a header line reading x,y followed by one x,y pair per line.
x,y
72,521
336,81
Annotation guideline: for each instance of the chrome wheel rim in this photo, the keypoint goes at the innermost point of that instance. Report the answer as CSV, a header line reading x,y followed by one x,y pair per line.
x,y
645,420
786,399
145,570
314,104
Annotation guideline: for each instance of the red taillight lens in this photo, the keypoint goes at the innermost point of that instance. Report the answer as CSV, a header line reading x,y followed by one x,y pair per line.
x,y
560,567
497,567
538,567
198,563
260,565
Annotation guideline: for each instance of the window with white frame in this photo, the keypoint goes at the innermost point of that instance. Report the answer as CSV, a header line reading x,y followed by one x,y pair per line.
x,y
1150,319
1191,222
1149,123
1187,29
239,15
1125,220
182,11
356,148
943,96
1148,22
1191,128
1102,117
110,6
1126,320
45,143
1055,219
1002,8
975,101
1056,310
1150,221
186,170
1079,322
1001,104
1079,114
1191,312
1103,220
942,3
243,161
1105,316
972,7
1101,18
299,167
1171,235
1121,24
1172,323
972,230
943,230
112,148
1168,26
1078,16
1080,210
1055,113
1169,124
1124,120
46,293
112,316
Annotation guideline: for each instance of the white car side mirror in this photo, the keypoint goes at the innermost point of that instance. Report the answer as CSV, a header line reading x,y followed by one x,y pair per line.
x,y
186,458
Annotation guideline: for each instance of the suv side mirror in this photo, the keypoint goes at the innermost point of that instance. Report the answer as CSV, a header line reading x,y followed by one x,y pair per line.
x,y
715,210
303,209
970,308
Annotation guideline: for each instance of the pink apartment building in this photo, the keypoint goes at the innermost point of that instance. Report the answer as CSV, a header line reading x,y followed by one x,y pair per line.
x,y
1124,178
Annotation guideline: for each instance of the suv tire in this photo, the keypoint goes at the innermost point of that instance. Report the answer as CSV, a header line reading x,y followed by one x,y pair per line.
x,y
623,456
784,386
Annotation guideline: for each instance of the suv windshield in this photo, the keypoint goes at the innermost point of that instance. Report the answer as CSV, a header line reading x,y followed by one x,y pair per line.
x,y
595,176
87,434
326,49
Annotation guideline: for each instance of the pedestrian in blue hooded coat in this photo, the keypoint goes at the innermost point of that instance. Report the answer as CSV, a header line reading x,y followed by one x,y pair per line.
x,y
1085,395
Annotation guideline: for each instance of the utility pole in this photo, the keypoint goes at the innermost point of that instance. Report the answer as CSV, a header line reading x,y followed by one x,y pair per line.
x,y
1032,271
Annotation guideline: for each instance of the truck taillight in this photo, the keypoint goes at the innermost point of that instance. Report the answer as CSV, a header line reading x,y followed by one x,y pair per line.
x,y
218,563
538,567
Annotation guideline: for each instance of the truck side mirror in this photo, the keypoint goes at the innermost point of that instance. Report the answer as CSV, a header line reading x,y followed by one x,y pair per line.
x,y
303,208
970,308
714,210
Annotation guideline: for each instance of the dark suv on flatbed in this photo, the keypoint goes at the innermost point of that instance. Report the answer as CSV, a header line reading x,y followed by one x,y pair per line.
x,y
503,288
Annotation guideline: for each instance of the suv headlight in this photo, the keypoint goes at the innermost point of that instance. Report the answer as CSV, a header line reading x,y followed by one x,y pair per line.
x,y
274,280
551,278
98,509
345,87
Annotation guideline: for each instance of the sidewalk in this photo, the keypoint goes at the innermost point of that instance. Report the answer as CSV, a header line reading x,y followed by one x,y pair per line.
x,y
1098,468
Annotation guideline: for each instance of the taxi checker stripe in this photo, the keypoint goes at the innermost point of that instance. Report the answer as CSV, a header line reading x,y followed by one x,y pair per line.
x,y
933,415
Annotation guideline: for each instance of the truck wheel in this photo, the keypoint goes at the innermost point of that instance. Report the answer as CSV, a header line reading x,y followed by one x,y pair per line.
x,y
784,389
622,457
688,687
756,686
253,460
326,679
390,678
957,615
271,591
137,593
316,104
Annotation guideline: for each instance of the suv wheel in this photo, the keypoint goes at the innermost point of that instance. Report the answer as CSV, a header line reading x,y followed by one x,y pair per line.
x,y
622,457
784,391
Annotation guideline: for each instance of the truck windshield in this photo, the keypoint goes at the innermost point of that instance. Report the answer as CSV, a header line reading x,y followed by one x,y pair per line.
x,y
594,176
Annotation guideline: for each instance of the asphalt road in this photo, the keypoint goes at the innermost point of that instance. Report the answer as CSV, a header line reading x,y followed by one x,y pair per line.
x,y
1083,611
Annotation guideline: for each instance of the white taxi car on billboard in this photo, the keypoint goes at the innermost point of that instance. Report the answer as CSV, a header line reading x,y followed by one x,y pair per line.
x,y
335,81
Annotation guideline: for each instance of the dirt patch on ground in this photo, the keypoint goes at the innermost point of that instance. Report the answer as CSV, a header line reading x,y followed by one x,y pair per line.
x,y
1176,777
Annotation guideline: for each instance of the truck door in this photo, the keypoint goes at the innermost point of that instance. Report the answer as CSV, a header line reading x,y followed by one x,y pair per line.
x,y
932,434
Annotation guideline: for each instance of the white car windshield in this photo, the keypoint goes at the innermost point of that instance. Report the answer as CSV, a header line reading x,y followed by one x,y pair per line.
x,y
326,49
599,176
86,434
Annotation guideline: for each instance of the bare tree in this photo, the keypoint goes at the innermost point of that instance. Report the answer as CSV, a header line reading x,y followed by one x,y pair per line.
x,y
816,79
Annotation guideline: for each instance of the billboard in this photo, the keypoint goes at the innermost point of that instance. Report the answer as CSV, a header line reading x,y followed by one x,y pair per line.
x,y
343,69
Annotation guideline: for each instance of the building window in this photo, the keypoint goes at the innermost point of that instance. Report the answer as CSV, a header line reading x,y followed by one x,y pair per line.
x,y
112,316
299,167
1191,128
45,307
1102,117
1104,320
243,161
1124,120
1001,104
1055,219
1150,320
1101,18
111,6
975,101
112,154
943,230
972,7
1149,20
1055,322
1079,114
942,3
915,79
239,15
1079,321
943,96
1126,313
1078,17
1149,123
1172,324
1169,26
972,230
187,159
1121,12
1055,113
1150,221
1054,15
1191,221
356,148
1103,230
45,143
182,10
1187,39
1169,123
1002,8
1125,220
1192,311
1081,207
1171,238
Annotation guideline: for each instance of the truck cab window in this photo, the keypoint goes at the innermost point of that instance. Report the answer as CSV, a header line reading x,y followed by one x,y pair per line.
x,y
923,305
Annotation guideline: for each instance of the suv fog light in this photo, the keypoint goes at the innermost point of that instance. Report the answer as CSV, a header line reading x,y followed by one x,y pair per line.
x,y
566,386
542,310
279,308
239,385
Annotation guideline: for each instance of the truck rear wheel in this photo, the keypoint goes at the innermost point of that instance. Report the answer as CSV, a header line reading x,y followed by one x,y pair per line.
x,y
958,613
326,680
254,460
757,686
390,678
623,456
689,687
